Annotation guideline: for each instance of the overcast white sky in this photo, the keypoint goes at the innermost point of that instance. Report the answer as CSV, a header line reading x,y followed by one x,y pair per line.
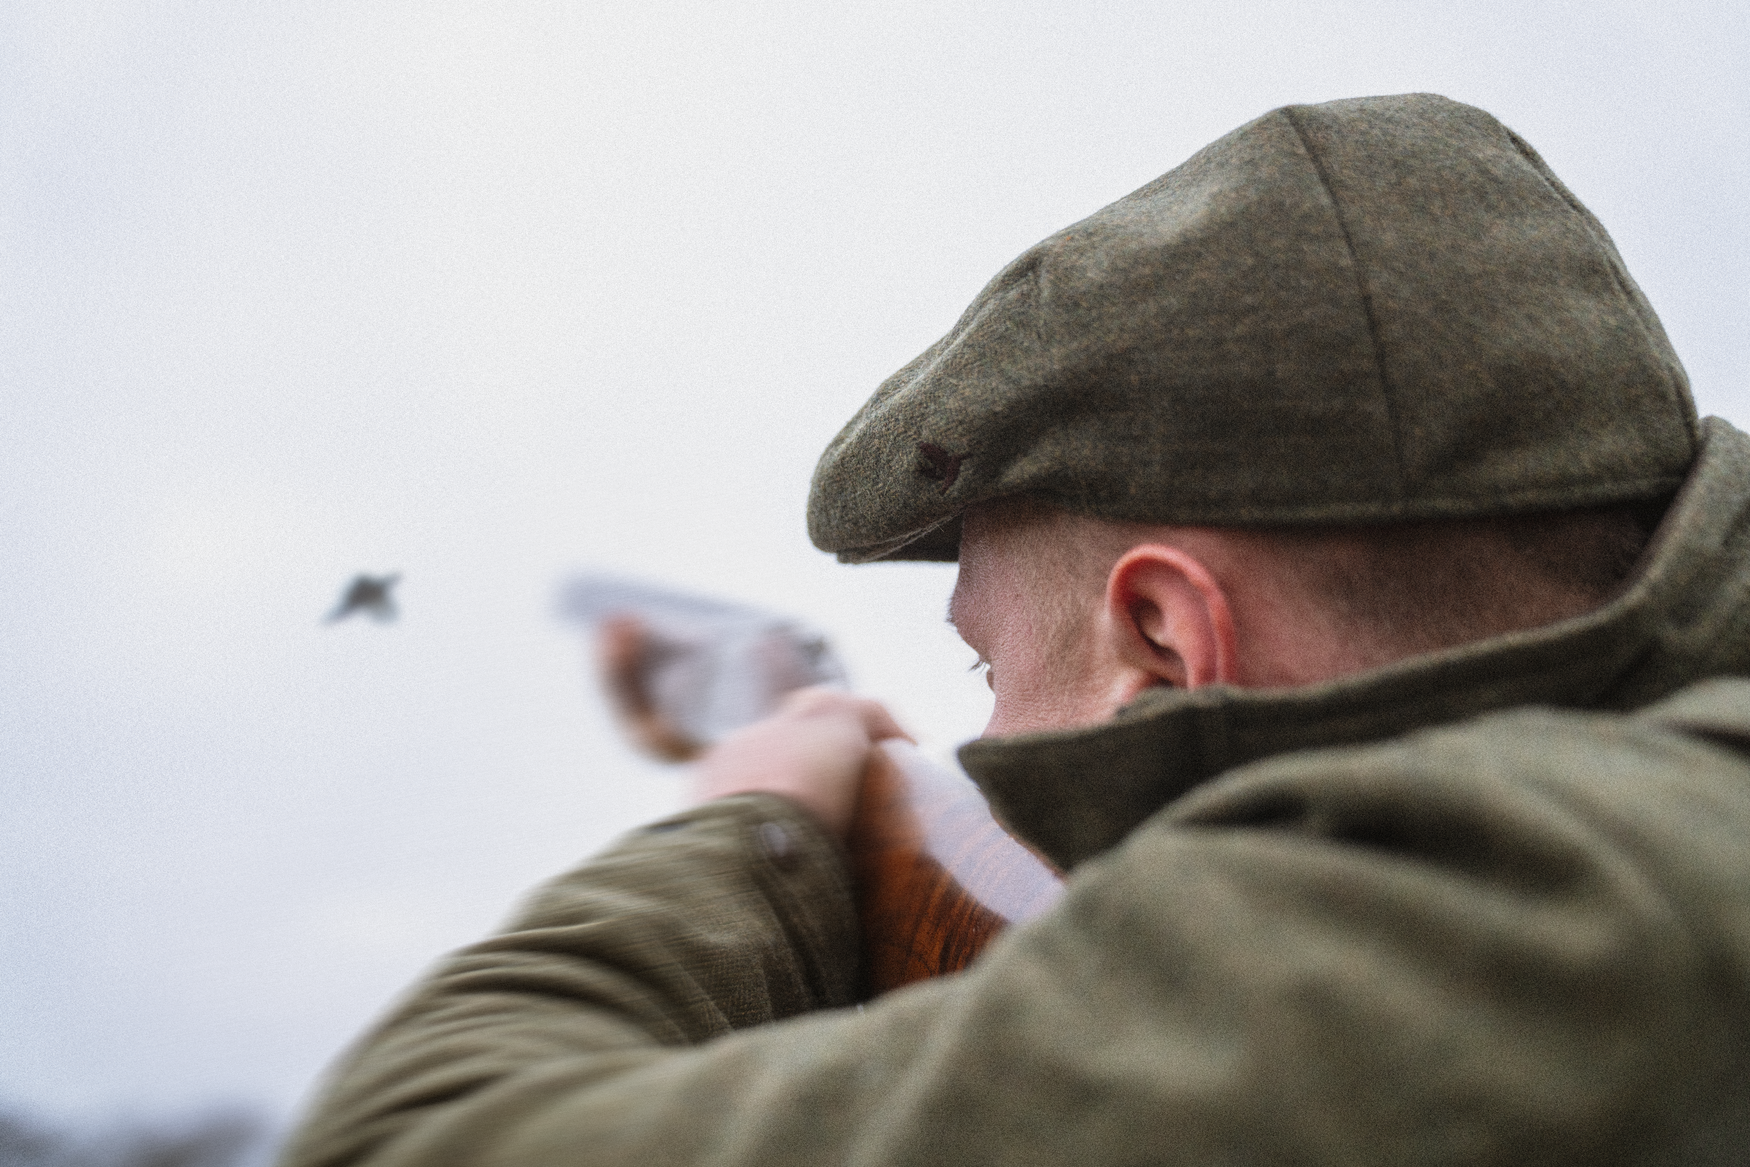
x,y
482,293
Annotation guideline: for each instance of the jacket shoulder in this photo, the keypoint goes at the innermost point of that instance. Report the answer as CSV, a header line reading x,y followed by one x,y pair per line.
x,y
1532,794
1697,735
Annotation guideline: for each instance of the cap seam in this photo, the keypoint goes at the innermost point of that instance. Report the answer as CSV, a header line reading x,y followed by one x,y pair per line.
x,y
1365,294
1619,276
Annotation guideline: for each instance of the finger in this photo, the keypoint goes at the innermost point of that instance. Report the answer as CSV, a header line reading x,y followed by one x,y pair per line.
x,y
815,700
819,700
881,725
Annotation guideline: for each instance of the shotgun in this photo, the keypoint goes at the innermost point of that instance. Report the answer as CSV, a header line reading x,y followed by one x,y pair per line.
x,y
937,877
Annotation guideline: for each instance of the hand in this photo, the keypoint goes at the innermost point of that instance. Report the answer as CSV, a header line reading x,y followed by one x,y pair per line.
x,y
812,751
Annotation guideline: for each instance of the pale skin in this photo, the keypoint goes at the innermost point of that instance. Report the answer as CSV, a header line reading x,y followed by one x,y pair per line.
x,y
1065,646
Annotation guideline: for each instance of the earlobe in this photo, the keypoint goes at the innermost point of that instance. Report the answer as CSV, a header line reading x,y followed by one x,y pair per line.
x,y
1171,618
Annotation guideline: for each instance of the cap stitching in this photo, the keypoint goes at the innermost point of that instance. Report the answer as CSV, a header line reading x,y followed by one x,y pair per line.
x,y
1365,294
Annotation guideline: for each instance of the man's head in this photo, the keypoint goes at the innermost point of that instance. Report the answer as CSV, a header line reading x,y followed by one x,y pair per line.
x,y
1074,616
1356,381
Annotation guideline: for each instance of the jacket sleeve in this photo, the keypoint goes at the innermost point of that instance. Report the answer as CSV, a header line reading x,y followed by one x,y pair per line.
x,y
1522,941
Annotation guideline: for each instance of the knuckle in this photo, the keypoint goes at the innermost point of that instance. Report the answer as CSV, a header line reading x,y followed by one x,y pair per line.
x,y
813,700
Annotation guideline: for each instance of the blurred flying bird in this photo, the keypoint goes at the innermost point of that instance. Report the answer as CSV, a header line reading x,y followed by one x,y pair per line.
x,y
368,594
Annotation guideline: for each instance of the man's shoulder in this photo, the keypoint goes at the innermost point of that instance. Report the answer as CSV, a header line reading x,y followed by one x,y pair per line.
x,y
1701,731
1551,740
1663,790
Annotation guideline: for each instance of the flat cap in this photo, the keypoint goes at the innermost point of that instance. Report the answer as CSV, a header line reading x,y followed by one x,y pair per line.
x,y
1373,310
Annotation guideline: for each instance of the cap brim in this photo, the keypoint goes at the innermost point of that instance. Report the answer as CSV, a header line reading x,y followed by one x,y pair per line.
x,y
937,544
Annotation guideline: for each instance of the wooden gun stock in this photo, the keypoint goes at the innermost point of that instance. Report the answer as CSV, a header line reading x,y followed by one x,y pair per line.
x,y
937,877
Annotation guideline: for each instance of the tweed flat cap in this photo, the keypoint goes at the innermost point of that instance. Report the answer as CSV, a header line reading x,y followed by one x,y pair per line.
x,y
1366,311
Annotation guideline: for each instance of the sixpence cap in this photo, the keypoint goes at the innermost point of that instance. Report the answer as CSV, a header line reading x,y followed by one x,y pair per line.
x,y
1372,310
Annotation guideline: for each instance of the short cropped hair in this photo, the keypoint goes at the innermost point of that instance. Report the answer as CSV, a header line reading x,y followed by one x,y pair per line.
x,y
1398,589
1418,587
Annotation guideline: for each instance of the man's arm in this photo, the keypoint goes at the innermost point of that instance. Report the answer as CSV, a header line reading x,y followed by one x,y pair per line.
x,y
1524,940
724,917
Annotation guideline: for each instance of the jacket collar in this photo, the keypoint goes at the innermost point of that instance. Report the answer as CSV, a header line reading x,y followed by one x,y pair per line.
x,y
1684,614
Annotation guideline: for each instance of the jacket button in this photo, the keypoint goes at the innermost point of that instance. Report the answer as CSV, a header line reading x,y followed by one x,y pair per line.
x,y
775,842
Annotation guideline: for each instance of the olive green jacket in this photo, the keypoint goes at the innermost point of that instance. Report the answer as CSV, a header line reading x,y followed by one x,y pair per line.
x,y
1490,905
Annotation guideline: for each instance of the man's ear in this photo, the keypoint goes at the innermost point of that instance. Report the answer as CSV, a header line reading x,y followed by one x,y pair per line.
x,y
1170,618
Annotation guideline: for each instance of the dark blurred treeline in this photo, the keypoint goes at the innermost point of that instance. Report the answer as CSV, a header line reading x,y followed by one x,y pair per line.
x,y
231,1137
